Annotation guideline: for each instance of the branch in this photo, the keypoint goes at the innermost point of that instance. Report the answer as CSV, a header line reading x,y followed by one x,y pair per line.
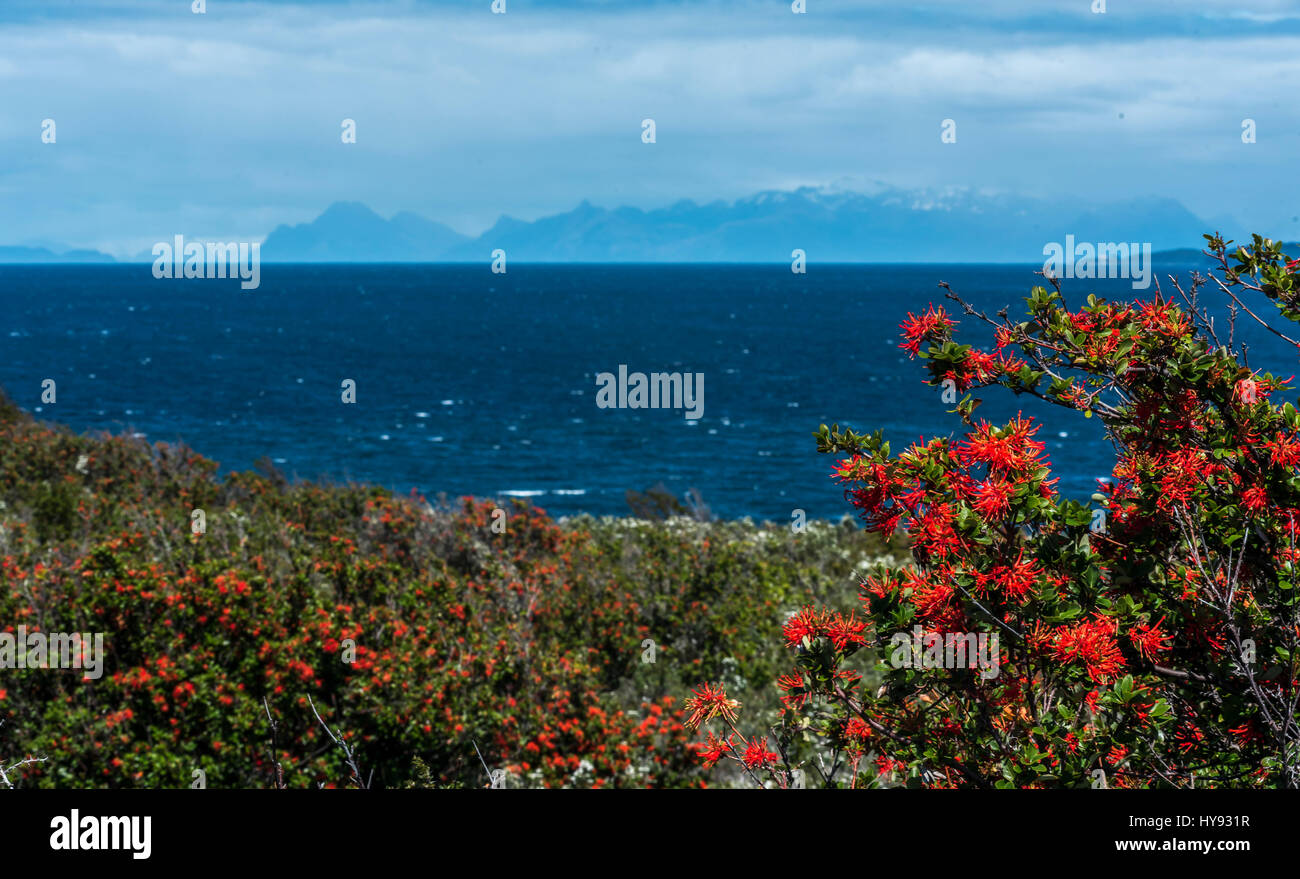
x,y
347,751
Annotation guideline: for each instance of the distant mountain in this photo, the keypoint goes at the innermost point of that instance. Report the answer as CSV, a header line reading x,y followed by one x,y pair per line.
x,y
29,255
351,232
830,226
890,225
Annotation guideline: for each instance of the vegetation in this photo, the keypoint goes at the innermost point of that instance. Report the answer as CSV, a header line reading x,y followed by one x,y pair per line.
x,y
1150,639
423,634
263,633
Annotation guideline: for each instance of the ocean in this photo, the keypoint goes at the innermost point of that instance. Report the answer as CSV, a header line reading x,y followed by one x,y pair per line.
x,y
474,383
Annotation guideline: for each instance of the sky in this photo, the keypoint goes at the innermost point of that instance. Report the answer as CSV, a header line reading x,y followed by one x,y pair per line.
x,y
224,124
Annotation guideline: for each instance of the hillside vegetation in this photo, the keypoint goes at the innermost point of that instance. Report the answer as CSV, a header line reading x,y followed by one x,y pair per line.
x,y
559,650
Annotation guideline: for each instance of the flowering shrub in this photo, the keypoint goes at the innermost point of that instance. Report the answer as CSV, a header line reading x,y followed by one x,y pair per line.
x,y
526,646
1148,639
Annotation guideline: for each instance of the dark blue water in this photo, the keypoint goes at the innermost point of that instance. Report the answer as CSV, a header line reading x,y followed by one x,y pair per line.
x,y
475,383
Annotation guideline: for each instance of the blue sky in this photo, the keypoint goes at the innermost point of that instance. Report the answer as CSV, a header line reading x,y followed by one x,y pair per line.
x,y
226,124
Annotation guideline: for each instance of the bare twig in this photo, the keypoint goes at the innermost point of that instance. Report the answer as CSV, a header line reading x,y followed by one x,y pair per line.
x,y
26,761
275,747
347,750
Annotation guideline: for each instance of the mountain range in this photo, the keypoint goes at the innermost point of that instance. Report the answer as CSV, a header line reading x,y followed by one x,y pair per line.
x,y
890,225
27,255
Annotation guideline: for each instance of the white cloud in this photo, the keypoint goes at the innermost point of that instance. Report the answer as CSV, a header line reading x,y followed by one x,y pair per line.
x,y
233,117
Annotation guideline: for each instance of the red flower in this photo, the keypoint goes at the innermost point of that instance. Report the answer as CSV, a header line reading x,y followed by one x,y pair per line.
x,y
1016,581
714,750
858,730
709,702
1254,498
810,623
982,364
993,498
1007,450
1246,733
1283,451
807,623
796,694
932,596
934,323
886,764
1091,642
1149,639
846,631
757,755
935,534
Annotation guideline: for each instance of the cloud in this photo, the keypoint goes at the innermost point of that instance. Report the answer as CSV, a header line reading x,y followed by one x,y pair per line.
x,y
226,123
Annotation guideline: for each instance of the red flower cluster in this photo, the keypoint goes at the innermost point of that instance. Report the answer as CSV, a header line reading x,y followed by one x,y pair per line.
x,y
928,327
1091,642
710,701
809,624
